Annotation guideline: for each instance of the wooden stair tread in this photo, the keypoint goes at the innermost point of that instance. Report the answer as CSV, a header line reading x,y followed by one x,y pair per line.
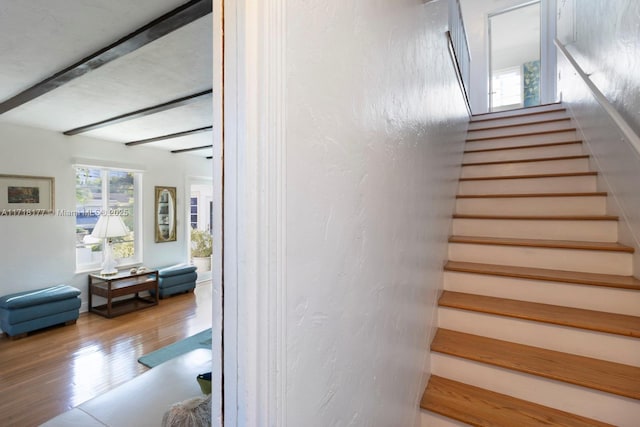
x,y
534,176
543,243
562,276
518,135
536,159
538,122
483,117
508,196
611,323
610,377
541,218
480,407
520,147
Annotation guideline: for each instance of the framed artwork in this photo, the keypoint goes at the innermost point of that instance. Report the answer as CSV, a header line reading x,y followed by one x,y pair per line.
x,y
26,195
165,214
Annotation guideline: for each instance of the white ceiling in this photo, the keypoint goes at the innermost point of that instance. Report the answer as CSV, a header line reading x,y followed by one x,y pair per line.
x,y
42,37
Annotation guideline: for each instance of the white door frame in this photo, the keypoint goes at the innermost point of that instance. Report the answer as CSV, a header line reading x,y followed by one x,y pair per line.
x,y
489,39
548,57
254,212
217,224
548,53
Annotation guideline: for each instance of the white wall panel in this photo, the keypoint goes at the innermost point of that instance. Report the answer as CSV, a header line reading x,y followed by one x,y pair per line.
x,y
375,129
607,47
609,50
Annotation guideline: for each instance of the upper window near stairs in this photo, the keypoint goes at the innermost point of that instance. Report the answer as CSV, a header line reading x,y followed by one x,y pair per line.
x,y
507,88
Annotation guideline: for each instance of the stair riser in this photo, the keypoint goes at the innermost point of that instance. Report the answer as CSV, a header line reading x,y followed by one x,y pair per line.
x,y
517,120
603,346
541,127
572,184
598,298
594,205
578,400
521,140
519,113
526,168
524,153
429,419
590,231
587,261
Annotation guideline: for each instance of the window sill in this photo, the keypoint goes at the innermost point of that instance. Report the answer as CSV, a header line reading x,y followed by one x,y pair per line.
x,y
95,269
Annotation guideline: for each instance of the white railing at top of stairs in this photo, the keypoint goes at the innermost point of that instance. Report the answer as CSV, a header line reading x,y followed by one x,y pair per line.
x,y
459,48
626,130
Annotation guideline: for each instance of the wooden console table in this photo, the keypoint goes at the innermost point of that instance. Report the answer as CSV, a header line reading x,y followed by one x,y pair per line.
x,y
122,284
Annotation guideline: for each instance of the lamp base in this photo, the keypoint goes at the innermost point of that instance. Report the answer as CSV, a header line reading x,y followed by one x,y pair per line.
x,y
109,264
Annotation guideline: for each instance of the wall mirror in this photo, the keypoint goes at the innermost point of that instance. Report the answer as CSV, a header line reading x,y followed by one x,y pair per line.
x,y
165,214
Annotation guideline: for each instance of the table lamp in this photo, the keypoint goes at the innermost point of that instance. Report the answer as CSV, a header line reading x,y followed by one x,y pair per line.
x,y
108,227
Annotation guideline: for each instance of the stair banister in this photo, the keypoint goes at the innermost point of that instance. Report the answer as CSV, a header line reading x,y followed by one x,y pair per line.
x,y
622,124
459,49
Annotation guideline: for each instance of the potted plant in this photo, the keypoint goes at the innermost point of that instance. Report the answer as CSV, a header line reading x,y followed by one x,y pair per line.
x,y
201,249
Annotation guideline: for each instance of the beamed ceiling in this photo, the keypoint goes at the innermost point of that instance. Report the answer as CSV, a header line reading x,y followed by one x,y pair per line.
x,y
132,72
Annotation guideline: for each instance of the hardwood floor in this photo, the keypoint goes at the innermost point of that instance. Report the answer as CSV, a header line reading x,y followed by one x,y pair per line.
x,y
53,370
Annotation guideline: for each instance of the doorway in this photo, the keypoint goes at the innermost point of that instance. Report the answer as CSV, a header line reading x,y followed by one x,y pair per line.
x,y
200,219
515,57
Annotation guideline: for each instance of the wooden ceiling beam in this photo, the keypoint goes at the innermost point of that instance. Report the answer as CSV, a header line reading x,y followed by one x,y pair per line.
x,y
169,136
155,29
142,112
186,150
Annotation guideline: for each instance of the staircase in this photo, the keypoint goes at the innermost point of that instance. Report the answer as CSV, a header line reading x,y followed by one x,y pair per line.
x,y
539,320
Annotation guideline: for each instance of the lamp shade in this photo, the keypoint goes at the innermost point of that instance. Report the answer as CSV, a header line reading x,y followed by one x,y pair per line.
x,y
109,226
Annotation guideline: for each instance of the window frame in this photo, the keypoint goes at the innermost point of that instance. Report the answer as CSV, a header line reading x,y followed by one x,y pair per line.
x,y
137,213
197,212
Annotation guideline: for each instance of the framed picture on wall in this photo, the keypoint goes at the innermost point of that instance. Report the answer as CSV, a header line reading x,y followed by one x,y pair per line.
x,y
26,195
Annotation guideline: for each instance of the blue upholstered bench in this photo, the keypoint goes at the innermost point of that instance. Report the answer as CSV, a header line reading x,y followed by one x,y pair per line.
x,y
23,312
176,279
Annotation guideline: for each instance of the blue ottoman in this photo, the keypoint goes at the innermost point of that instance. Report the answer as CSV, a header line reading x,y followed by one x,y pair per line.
x,y
23,312
176,279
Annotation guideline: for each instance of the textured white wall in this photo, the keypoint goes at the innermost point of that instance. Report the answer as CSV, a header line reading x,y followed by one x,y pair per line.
x,y
375,129
607,45
40,251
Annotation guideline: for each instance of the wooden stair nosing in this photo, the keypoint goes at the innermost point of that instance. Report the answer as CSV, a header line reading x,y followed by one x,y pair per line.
x,y
543,243
536,159
521,147
480,407
533,176
512,125
539,218
484,117
610,323
561,276
521,195
610,377
519,135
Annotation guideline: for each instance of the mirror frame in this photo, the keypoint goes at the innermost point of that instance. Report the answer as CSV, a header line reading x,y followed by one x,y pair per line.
x,y
168,218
